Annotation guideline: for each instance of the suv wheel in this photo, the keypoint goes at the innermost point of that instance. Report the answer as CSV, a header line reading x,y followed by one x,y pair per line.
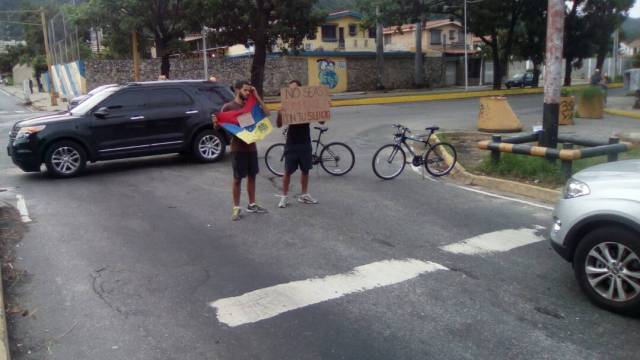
x,y
208,146
607,267
65,159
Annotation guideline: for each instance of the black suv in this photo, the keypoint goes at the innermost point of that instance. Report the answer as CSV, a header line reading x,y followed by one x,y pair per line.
x,y
136,119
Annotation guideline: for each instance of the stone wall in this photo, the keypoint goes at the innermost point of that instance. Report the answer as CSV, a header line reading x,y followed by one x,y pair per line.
x,y
21,73
278,71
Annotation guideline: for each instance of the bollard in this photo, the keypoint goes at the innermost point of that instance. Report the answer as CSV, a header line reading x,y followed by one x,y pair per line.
x,y
495,154
613,156
567,165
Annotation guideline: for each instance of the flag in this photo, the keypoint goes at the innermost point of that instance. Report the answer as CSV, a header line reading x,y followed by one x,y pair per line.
x,y
250,124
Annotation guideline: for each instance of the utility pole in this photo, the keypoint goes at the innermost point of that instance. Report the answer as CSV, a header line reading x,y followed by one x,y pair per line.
x,y
616,46
553,73
135,49
379,51
204,53
47,50
466,50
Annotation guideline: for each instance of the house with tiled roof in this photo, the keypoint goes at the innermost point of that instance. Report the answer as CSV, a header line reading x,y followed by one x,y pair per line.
x,y
439,38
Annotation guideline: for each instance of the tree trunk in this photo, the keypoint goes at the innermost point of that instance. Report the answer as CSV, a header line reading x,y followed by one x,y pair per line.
x,y
568,70
418,61
163,54
260,54
536,74
379,53
497,68
601,57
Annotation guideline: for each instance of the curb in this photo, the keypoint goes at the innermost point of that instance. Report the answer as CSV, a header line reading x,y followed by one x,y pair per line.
x,y
437,96
4,333
514,187
625,113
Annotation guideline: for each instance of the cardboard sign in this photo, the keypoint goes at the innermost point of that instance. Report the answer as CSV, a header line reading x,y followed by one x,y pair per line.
x,y
305,104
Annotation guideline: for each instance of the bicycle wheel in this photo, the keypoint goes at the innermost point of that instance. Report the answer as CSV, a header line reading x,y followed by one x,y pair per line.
x,y
389,161
435,162
337,158
274,159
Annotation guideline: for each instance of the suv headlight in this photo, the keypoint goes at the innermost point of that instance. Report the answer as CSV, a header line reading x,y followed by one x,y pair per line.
x,y
24,132
575,188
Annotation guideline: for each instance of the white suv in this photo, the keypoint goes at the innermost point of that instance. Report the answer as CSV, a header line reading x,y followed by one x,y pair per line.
x,y
597,228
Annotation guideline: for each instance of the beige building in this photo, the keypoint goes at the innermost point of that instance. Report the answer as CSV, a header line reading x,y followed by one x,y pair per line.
x,y
439,37
342,32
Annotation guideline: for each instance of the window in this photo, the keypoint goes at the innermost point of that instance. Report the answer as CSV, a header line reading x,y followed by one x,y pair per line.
x,y
307,47
353,29
388,39
329,33
214,97
158,98
366,43
436,37
128,100
355,43
372,33
452,35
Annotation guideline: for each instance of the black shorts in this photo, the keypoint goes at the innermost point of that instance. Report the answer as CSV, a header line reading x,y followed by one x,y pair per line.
x,y
298,158
244,164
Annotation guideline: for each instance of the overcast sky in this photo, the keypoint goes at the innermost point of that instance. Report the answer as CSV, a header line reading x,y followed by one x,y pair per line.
x,y
635,12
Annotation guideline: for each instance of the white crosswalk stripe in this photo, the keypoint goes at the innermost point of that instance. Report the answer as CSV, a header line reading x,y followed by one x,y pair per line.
x,y
497,241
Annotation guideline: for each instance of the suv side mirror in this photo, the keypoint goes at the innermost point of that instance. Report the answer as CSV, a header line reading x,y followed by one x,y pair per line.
x,y
101,113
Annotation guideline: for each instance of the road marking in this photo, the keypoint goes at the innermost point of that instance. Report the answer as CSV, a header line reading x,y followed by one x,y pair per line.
x,y
497,241
22,209
505,197
6,93
20,111
269,302
420,171
2,112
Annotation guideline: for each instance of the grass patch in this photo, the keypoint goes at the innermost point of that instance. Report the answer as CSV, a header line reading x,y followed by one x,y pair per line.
x,y
539,170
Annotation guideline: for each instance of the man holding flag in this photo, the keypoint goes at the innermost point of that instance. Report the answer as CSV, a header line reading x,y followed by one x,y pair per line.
x,y
246,119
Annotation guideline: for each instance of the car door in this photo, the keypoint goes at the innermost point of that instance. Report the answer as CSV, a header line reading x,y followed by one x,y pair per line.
x,y
122,130
167,112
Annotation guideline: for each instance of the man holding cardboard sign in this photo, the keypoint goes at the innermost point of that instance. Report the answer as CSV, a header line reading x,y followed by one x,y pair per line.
x,y
300,105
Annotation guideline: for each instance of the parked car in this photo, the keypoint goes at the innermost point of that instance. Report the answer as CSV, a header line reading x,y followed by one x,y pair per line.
x,y
596,226
522,81
137,119
78,99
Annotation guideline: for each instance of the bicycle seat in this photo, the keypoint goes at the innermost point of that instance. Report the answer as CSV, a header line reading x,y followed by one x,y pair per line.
x,y
321,128
433,128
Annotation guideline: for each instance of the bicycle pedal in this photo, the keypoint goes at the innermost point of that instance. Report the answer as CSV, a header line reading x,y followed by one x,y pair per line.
x,y
417,161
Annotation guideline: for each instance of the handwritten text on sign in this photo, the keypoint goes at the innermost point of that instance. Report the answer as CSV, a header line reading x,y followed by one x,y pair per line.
x,y
305,104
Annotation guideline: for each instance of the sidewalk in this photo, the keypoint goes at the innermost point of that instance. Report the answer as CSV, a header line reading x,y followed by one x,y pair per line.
x,y
622,106
39,101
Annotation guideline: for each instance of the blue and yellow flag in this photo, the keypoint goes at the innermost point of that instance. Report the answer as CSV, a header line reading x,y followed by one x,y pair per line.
x,y
250,124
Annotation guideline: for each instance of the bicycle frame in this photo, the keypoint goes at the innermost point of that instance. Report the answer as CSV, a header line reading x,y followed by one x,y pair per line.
x,y
402,140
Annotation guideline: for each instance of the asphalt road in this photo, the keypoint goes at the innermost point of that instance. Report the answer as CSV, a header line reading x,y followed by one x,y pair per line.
x,y
124,262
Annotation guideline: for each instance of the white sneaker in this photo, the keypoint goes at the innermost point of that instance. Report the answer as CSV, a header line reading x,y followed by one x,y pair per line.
x,y
284,201
307,199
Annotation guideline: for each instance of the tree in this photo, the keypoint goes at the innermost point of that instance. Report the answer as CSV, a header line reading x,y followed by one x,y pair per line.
x,y
495,22
531,35
265,23
165,21
606,16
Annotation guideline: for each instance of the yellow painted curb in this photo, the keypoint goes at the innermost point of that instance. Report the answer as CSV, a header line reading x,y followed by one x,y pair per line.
x,y
437,97
514,187
630,114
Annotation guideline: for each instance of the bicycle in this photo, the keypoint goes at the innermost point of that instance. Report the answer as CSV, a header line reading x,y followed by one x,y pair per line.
x,y
389,161
335,158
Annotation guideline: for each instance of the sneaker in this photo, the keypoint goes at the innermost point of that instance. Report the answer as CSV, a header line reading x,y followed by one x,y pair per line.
x,y
235,214
307,199
255,208
284,201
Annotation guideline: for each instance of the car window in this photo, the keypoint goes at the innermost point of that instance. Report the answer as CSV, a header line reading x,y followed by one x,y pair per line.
x,y
158,98
214,97
93,101
125,100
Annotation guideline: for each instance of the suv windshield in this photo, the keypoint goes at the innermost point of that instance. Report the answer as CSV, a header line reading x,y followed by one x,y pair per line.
x,y
94,100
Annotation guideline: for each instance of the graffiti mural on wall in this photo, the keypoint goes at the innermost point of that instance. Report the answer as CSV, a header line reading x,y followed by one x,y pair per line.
x,y
327,73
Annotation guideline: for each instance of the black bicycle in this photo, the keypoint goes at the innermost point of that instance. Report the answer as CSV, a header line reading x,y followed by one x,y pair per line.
x,y
336,158
390,160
